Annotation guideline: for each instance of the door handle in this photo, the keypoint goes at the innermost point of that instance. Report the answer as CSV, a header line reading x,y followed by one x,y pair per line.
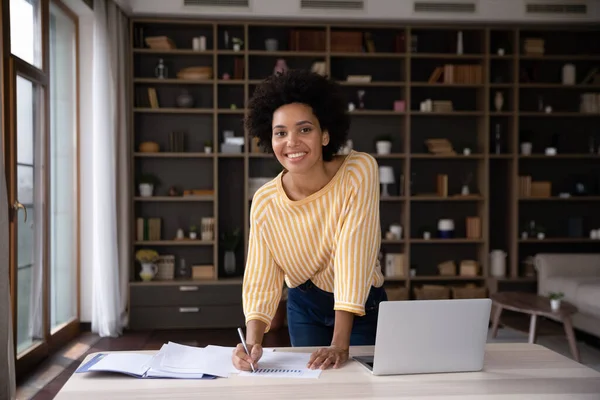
x,y
16,207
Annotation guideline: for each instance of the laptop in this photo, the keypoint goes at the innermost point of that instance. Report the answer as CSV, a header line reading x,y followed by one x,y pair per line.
x,y
429,336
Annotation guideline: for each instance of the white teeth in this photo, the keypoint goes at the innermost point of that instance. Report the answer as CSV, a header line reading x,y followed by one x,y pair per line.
x,y
295,155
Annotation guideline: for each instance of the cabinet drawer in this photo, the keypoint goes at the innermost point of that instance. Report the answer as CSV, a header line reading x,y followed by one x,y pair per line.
x,y
183,317
185,294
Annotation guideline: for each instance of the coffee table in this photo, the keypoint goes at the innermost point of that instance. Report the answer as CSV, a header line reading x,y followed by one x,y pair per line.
x,y
534,305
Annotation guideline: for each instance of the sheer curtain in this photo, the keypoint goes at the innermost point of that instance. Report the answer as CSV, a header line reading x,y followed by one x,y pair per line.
x,y
7,368
108,153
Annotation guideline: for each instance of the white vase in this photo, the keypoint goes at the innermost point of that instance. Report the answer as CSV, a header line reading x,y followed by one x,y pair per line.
x,y
526,148
146,189
148,271
555,304
568,74
498,263
383,147
229,262
499,101
208,150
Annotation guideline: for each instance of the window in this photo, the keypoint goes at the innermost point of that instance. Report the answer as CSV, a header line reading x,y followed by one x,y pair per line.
x,y
26,31
63,168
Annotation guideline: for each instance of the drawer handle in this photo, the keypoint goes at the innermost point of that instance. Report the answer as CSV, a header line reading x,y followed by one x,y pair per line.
x,y
188,309
188,288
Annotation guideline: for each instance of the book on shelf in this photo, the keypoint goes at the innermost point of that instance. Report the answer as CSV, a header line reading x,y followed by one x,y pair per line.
x,y
148,229
153,98
451,73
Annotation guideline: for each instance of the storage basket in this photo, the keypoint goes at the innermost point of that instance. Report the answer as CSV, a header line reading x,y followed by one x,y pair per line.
x,y
166,268
397,293
469,292
432,292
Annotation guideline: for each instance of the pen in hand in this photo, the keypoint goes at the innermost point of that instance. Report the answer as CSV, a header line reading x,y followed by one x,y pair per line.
x,y
245,347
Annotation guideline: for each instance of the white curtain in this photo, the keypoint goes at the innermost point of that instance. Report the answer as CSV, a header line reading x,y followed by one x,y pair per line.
x,y
7,357
109,255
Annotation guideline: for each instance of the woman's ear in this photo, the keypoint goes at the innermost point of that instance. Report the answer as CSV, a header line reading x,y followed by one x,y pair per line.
x,y
325,138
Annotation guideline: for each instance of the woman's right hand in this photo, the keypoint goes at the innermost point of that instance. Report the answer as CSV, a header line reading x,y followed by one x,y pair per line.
x,y
242,361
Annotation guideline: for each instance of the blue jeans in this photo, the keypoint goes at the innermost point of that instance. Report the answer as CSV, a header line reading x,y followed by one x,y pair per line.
x,y
311,317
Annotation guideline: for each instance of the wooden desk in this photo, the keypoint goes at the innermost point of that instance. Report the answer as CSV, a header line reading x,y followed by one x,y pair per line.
x,y
511,371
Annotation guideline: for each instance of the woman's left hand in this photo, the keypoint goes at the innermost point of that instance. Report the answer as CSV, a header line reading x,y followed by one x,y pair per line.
x,y
325,357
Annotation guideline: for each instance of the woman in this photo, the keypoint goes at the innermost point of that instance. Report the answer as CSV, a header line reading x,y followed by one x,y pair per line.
x,y
316,225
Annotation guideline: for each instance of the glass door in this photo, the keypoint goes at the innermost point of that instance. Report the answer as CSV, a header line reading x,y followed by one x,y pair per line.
x,y
27,195
42,166
64,193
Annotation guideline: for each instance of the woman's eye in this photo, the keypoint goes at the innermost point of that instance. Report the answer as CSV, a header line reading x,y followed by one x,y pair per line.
x,y
279,133
305,130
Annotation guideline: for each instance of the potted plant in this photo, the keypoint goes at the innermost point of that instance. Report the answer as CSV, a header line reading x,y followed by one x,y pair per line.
x,y
193,232
208,146
230,242
383,144
147,183
555,298
147,258
237,44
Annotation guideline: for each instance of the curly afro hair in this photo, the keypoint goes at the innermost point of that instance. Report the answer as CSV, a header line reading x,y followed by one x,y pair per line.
x,y
323,95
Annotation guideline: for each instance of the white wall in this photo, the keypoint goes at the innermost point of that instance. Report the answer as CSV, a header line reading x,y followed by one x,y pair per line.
x,y
391,10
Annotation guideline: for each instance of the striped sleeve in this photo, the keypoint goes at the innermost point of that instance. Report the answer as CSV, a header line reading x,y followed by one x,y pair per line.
x,y
359,240
263,279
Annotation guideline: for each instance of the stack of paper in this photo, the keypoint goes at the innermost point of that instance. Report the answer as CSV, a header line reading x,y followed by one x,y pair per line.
x,y
179,361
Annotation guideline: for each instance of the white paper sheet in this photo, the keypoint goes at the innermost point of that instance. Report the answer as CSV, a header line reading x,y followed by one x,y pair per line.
x,y
281,364
179,358
155,370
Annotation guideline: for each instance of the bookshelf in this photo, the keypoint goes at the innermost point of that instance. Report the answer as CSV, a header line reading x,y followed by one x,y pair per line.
x,y
403,100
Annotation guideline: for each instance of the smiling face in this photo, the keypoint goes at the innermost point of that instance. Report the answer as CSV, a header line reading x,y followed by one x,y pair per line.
x,y
297,138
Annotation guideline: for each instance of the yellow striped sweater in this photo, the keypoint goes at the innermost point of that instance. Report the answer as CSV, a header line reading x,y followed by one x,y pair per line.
x,y
331,237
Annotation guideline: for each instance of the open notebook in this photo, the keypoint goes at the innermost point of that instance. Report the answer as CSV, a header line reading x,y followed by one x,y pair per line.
x,y
179,361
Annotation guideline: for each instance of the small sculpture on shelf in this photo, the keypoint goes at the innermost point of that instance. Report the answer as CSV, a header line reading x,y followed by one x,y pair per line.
x,y
207,228
360,95
465,190
499,100
174,192
161,71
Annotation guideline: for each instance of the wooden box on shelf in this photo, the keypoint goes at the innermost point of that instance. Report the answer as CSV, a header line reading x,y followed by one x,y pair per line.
x,y
469,291
473,228
432,292
469,268
541,189
397,293
203,272
447,268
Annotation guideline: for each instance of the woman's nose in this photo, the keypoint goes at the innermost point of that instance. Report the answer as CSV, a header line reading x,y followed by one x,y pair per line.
x,y
292,139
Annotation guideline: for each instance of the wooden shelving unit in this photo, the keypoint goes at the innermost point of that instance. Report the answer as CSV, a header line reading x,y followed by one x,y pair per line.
x,y
398,73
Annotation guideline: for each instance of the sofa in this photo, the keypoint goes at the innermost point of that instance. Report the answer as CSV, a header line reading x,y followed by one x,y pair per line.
x,y
577,276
